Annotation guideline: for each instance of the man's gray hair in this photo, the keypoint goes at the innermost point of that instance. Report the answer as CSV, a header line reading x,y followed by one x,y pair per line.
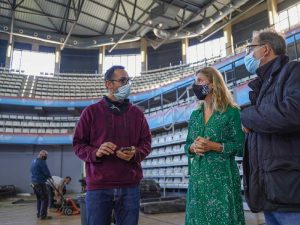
x,y
275,40
43,153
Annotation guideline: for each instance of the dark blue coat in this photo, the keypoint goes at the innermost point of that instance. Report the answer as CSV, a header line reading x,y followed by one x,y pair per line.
x,y
272,151
39,171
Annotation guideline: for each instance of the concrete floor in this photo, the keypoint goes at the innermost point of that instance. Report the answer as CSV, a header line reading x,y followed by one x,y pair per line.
x,y
24,214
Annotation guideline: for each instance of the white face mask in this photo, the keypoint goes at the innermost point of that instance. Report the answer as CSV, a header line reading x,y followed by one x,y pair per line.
x,y
122,92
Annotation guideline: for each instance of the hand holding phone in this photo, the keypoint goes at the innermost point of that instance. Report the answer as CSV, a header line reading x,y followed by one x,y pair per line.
x,y
126,153
126,149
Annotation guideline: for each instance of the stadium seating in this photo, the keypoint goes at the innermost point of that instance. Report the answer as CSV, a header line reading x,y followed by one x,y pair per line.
x,y
76,86
37,124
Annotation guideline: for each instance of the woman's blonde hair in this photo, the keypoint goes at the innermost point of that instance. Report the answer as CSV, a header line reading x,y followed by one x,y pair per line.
x,y
221,96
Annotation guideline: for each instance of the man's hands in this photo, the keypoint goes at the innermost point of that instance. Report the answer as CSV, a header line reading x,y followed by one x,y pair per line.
x,y
202,145
126,155
109,148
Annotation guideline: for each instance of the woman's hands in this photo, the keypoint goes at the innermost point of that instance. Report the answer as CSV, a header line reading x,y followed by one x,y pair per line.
x,y
202,145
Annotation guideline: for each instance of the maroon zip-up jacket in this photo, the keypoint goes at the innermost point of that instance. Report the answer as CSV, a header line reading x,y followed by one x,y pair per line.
x,y
98,125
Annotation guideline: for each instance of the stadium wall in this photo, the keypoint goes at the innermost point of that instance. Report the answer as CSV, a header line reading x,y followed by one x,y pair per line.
x,y
16,159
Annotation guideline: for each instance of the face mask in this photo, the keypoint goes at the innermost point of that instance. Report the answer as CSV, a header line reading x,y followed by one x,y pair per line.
x,y
44,157
201,91
123,92
251,63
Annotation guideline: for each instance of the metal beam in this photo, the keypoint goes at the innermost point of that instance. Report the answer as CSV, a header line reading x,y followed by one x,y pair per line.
x,y
183,16
232,20
66,16
11,27
126,15
143,10
80,5
49,19
137,7
11,5
133,13
85,13
124,35
23,21
20,3
116,17
36,14
189,20
47,15
111,15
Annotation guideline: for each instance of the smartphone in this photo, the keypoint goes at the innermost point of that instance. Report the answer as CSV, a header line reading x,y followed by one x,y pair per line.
x,y
126,149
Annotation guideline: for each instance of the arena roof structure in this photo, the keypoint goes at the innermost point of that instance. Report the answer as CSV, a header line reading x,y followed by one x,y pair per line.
x,y
94,23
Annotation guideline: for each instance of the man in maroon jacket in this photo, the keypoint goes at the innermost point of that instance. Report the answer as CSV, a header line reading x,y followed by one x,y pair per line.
x,y
112,137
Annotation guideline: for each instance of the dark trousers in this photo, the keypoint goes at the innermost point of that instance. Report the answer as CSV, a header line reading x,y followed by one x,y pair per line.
x,y
50,196
40,191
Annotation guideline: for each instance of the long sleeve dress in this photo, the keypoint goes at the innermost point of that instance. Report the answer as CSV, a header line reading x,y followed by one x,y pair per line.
x,y
214,192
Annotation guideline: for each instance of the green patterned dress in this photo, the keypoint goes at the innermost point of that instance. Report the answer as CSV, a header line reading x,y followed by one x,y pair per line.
x,y
214,192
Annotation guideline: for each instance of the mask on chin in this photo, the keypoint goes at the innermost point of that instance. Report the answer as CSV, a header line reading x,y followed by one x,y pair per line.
x,y
201,91
122,92
251,63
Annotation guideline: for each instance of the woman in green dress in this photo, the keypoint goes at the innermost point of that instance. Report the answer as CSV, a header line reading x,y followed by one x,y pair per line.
x,y
214,138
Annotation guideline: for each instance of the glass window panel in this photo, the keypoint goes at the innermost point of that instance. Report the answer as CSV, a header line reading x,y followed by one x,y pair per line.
x,y
215,47
293,16
16,60
132,63
116,60
201,51
208,50
138,65
192,54
33,63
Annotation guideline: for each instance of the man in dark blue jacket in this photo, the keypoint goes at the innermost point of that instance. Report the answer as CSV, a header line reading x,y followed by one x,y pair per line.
x,y
272,124
39,175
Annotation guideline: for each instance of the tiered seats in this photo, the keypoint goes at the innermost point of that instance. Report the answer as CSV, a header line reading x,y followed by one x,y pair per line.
x,y
168,164
72,86
10,84
69,87
37,124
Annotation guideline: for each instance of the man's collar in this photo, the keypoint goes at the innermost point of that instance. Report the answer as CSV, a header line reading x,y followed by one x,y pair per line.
x,y
272,66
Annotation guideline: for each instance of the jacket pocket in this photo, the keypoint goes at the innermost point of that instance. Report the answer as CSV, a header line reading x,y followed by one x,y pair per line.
x,y
282,180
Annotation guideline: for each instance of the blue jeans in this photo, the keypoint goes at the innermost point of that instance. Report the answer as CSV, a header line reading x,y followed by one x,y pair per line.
x,y
282,218
124,201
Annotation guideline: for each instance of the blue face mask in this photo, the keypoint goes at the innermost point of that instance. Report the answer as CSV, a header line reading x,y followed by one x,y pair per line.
x,y
251,63
123,92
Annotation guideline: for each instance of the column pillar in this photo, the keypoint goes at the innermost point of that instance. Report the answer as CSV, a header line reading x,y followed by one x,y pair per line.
x,y
144,54
57,60
35,47
272,11
101,59
184,48
8,57
227,31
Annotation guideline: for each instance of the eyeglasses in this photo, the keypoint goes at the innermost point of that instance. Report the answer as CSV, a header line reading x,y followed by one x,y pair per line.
x,y
123,81
249,48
